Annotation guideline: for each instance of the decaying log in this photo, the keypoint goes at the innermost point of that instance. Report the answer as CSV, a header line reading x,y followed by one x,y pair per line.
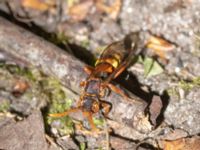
x,y
23,134
55,62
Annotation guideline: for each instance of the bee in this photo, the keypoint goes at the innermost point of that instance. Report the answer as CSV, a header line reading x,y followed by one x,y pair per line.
x,y
112,62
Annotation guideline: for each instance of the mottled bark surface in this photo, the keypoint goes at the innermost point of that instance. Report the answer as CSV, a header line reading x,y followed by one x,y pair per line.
x,y
26,134
53,61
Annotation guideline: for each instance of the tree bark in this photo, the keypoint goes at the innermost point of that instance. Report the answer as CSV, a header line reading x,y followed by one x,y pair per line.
x,y
34,50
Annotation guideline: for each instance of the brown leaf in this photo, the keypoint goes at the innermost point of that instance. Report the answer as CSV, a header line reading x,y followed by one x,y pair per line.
x,y
183,144
20,87
112,11
36,4
79,11
174,135
159,46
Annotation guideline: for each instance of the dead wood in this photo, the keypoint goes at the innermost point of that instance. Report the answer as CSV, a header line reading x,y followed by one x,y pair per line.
x,y
35,51
23,134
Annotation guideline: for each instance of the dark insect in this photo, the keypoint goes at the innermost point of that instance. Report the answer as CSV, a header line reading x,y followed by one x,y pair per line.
x,y
112,62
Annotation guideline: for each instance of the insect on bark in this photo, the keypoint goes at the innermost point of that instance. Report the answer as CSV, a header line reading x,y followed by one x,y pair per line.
x,y
112,62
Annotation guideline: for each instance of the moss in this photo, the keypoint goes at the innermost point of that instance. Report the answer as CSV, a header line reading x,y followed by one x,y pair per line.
x,y
57,99
59,38
185,85
189,85
31,74
65,126
173,92
42,88
4,106
98,122
14,69
2,64
50,83
60,106
196,81
85,43
58,103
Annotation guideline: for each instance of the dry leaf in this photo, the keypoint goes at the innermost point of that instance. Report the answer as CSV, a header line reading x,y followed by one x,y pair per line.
x,y
36,4
20,87
79,11
159,46
174,135
112,11
182,144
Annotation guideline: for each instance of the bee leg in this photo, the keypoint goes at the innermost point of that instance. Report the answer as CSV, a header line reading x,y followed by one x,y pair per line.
x,y
117,72
120,70
66,113
88,69
117,90
83,83
92,125
94,130
121,92
106,108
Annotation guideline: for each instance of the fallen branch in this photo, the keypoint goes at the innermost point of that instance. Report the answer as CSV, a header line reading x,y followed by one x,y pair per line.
x,y
55,62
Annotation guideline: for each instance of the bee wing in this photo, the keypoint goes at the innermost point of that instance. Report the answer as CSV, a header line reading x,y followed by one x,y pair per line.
x,y
119,69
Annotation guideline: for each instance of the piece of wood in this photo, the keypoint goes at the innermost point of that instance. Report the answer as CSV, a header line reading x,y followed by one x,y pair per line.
x,y
26,134
53,61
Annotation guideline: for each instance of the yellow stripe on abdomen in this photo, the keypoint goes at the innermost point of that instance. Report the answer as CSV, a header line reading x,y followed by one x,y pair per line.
x,y
114,60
